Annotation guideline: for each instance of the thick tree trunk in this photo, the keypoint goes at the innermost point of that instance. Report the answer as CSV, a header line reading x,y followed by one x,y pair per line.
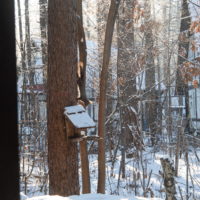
x,y
62,91
102,98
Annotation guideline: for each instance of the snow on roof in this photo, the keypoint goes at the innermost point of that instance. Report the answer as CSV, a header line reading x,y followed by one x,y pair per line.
x,y
89,197
78,116
74,109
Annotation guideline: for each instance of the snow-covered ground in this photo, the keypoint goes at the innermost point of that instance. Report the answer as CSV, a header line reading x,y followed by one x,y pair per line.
x,y
88,197
143,174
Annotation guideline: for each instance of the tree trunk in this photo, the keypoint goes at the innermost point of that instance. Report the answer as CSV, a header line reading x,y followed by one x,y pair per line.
x,y
62,91
126,74
82,55
103,9
181,86
28,44
169,182
102,98
43,31
85,167
151,111
82,96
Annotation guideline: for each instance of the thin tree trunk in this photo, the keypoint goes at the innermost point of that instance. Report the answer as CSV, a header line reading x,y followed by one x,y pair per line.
x,y
181,86
43,31
85,167
102,98
28,43
23,99
151,110
82,55
126,75
82,96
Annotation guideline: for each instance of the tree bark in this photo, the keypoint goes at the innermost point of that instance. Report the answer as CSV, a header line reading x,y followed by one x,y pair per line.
x,y
151,110
102,98
81,73
43,31
126,74
181,86
185,25
85,167
28,44
62,91
82,55
169,182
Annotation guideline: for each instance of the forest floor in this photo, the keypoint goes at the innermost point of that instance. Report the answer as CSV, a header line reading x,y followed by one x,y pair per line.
x,y
143,177
87,197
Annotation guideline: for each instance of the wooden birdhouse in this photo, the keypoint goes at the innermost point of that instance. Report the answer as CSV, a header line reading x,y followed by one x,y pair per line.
x,y
80,120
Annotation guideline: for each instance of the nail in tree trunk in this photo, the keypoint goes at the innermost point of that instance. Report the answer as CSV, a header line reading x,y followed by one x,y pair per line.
x,y
62,91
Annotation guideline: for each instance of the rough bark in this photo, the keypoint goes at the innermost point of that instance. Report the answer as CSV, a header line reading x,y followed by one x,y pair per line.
x,y
126,74
181,86
151,111
102,13
85,167
81,73
43,31
102,97
169,182
62,91
28,43
82,55
21,34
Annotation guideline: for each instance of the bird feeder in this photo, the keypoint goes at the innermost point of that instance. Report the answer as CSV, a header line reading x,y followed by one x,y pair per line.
x,y
77,117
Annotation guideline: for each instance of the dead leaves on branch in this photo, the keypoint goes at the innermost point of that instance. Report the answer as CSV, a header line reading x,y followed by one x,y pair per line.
x,y
138,12
195,26
195,84
188,71
193,46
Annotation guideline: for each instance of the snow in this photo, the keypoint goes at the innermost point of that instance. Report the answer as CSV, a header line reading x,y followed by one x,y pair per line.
x,y
88,197
78,116
74,109
150,159
23,196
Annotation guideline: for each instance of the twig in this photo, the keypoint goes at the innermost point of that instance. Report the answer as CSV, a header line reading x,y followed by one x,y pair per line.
x,y
194,4
180,192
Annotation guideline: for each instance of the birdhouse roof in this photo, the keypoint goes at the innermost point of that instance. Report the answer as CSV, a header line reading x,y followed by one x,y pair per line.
x,y
79,117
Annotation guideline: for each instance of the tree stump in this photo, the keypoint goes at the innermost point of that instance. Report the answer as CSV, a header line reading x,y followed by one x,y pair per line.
x,y
169,182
